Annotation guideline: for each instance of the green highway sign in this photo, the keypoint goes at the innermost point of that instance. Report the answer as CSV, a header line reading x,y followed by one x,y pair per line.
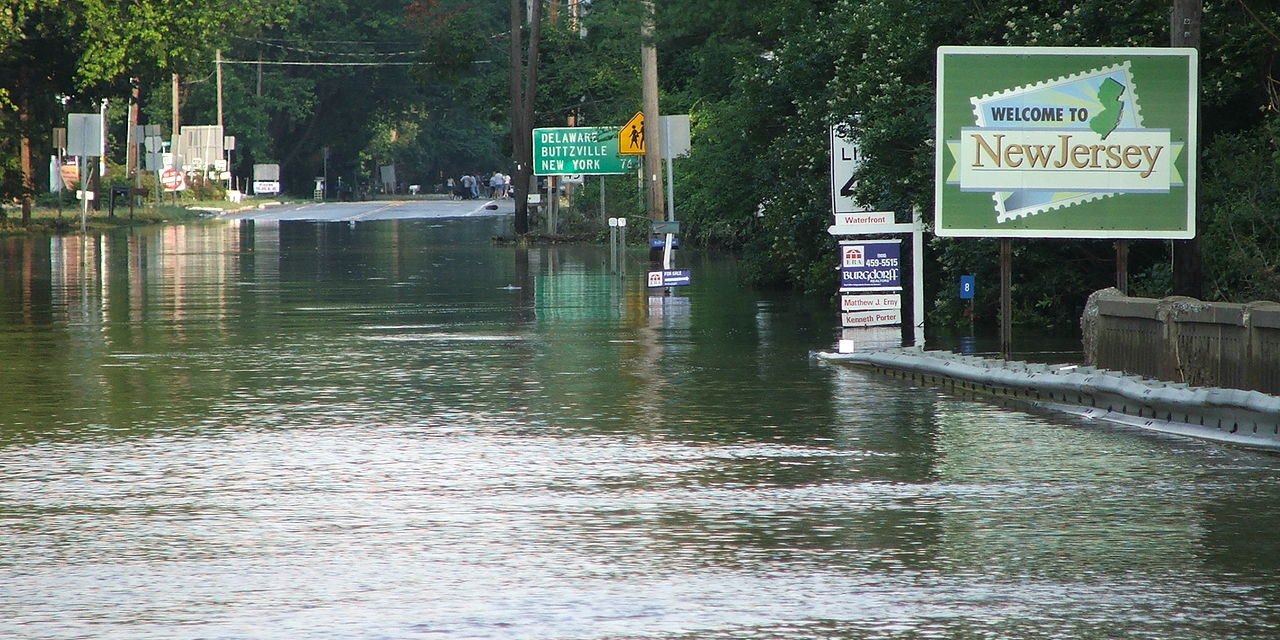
x,y
1058,142
589,151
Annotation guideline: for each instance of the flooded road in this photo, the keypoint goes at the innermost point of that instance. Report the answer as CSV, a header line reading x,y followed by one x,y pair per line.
x,y
394,429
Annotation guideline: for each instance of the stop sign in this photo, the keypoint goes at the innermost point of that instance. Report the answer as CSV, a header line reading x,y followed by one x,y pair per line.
x,y
172,180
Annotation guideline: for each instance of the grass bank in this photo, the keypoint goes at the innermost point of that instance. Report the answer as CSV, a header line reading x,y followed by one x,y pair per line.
x,y
52,221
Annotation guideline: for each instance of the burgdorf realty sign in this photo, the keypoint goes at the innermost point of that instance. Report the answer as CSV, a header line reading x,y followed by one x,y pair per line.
x,y
1066,142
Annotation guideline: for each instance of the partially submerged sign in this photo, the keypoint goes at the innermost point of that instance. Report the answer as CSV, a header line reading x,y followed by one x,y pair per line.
x,y
1066,142
871,265
670,278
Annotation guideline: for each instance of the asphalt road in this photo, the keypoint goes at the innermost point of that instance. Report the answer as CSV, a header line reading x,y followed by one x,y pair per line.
x,y
379,210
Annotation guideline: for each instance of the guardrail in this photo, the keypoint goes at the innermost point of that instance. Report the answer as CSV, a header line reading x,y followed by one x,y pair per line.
x,y
1235,416
1181,339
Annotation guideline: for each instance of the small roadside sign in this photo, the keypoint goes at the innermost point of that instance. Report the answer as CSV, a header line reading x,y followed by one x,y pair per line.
x,y
670,226
871,265
631,137
967,286
173,180
846,160
870,301
882,318
670,278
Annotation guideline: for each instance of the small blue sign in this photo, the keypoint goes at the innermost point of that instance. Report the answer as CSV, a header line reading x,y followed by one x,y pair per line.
x,y
670,278
660,242
967,286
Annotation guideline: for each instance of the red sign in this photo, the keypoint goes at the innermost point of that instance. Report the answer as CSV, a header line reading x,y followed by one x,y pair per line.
x,y
173,180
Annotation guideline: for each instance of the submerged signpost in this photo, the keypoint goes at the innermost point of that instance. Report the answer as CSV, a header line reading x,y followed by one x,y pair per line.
x,y
871,269
602,151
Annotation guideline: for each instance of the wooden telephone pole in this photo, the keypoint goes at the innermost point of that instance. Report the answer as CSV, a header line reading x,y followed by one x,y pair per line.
x,y
655,203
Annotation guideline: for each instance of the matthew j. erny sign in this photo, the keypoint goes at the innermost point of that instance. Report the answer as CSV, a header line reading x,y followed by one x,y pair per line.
x,y
1066,142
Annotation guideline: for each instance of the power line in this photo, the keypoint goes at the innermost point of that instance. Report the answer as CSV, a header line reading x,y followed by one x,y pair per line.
x,y
340,64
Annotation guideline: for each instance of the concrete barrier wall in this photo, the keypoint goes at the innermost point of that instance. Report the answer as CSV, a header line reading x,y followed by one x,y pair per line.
x,y
1235,346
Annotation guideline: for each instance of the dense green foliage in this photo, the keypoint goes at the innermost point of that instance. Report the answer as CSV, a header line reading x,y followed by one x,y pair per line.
x,y
763,83
758,175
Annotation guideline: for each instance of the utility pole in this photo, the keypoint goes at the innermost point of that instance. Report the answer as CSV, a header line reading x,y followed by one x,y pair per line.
x,y
218,72
1188,272
177,123
522,103
652,128
131,149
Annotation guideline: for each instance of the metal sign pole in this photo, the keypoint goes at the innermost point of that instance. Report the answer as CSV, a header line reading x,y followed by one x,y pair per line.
x,y
1006,298
84,192
622,245
613,245
917,278
671,198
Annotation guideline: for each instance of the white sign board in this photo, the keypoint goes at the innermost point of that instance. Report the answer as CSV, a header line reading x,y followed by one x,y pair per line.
x,y
870,301
266,187
675,136
846,158
880,318
84,134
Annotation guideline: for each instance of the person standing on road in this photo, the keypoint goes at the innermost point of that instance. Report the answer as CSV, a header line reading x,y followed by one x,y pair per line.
x,y
495,185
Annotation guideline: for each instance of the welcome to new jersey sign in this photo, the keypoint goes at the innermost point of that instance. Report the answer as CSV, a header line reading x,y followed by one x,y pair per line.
x,y
1051,142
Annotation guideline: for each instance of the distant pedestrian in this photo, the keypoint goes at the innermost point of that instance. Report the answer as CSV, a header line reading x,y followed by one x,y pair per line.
x,y
495,185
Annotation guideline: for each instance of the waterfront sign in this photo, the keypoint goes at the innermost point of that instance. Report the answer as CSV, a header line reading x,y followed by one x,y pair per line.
x,y
853,224
1040,142
870,265
559,151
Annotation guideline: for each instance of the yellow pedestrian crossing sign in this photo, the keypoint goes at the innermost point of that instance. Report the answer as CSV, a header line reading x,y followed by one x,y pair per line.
x,y
631,138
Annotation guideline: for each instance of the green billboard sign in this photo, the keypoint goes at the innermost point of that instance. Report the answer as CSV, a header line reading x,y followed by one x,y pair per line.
x,y
559,151
1053,142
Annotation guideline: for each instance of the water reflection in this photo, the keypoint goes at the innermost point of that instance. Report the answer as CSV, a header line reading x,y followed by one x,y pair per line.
x,y
310,430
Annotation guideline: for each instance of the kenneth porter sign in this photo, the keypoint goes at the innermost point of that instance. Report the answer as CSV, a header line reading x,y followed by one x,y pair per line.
x,y
1039,142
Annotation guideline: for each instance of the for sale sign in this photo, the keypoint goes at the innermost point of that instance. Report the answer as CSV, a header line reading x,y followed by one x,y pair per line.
x,y
871,265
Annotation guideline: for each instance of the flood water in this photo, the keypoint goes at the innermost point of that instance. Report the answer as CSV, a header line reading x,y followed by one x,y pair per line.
x,y
396,430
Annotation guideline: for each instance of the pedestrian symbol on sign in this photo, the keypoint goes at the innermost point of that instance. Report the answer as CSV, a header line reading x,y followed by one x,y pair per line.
x,y
631,138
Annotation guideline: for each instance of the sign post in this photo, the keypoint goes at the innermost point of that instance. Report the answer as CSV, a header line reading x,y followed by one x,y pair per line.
x,y
1058,142
85,140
